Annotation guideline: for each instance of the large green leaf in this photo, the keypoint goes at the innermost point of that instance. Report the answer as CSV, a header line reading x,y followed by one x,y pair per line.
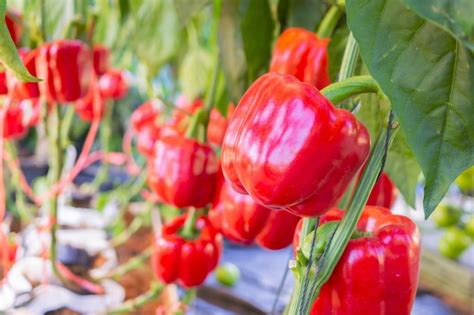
x,y
257,40
301,13
455,16
8,53
429,79
245,39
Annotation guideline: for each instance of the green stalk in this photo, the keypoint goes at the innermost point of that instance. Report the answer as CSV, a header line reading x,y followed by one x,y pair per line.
x,y
340,91
187,299
132,305
189,227
105,136
329,22
349,63
56,166
133,263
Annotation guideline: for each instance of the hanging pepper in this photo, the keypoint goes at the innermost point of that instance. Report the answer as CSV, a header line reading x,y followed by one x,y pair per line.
x,y
145,115
13,21
184,110
301,53
183,172
66,69
101,56
378,271
113,85
92,105
218,125
186,261
384,192
289,148
146,140
24,90
243,221
14,126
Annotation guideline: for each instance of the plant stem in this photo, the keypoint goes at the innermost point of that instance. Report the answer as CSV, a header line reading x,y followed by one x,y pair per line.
x,y
188,297
131,264
105,136
349,63
190,223
56,166
329,22
340,91
134,304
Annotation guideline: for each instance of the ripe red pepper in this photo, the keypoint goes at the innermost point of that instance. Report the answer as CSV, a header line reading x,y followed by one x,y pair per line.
x,y
14,126
84,107
302,150
384,192
183,172
101,56
113,85
146,139
218,125
188,262
145,115
14,28
378,271
184,110
243,221
66,69
301,53
3,83
24,90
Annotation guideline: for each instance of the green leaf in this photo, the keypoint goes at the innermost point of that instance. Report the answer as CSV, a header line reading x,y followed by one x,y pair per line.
x,y
231,49
454,16
301,13
58,14
8,53
429,79
195,72
401,164
257,33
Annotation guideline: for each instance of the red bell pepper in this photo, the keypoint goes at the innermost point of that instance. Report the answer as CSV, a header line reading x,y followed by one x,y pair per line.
x,y
3,83
13,21
24,90
301,53
243,221
66,69
101,56
384,192
146,139
183,172
145,115
302,150
188,262
92,105
218,125
378,271
380,265
113,85
14,126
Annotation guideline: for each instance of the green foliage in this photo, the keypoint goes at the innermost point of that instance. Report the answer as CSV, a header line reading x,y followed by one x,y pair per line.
x,y
245,49
195,72
429,79
300,13
454,16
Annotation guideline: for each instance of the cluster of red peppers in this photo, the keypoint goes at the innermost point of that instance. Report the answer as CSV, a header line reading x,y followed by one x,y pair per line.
x,y
286,153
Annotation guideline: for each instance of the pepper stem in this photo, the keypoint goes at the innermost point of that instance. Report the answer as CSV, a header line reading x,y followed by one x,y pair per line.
x,y
134,304
329,22
340,91
189,227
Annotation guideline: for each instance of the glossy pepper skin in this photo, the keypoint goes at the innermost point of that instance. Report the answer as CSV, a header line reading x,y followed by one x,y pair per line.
x,y
302,54
377,273
243,221
101,59
183,172
19,90
187,262
14,28
384,192
113,85
92,105
302,150
66,69
218,125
